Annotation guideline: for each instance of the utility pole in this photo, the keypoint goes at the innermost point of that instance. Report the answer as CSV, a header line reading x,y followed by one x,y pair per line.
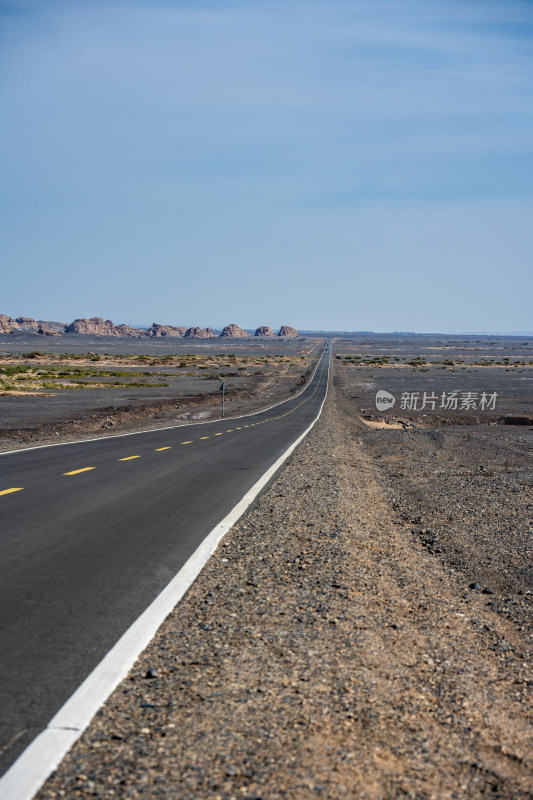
x,y
223,390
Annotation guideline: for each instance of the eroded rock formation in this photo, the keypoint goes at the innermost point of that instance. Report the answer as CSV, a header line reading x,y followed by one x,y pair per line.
x,y
165,330
233,331
7,324
127,330
288,332
27,322
95,326
199,333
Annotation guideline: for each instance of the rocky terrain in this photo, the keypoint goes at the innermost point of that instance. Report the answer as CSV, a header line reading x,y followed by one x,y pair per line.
x,y
28,324
97,326
334,646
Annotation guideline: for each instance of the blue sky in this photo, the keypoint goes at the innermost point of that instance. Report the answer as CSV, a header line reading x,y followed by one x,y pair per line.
x,y
361,165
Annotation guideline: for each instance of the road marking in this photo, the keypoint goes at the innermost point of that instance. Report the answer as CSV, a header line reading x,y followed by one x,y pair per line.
x,y
158,449
189,442
205,437
128,458
238,429
230,430
77,471
28,773
219,434
8,491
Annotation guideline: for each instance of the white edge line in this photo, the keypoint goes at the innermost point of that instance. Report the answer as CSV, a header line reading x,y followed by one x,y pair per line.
x,y
36,763
167,428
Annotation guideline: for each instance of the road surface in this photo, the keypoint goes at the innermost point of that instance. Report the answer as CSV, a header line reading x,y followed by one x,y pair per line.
x,y
91,532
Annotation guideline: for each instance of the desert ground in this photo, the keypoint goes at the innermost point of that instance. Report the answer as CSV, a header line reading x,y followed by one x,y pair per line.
x,y
75,387
365,630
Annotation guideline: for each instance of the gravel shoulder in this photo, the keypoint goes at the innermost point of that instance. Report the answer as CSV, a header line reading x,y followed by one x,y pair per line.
x,y
324,651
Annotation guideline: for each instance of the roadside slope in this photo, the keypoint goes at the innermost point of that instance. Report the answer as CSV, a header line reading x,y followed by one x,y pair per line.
x,y
322,652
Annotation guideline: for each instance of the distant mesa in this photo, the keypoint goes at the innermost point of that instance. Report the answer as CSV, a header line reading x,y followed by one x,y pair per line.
x,y
28,323
288,332
199,333
7,324
95,326
165,330
126,330
233,331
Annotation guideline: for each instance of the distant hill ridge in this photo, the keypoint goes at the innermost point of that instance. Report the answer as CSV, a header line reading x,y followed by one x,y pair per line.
x,y
97,326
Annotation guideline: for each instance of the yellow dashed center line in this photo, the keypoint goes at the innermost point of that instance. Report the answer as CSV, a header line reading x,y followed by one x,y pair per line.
x,y
168,447
77,471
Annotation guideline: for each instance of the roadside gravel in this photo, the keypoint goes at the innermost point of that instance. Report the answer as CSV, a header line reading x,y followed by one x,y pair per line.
x,y
323,652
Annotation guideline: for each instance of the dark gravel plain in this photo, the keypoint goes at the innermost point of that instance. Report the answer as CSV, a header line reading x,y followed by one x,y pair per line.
x,y
500,365
463,479
332,647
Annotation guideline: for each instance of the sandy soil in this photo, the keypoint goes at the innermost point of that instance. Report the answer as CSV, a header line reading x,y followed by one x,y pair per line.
x,y
25,394
330,649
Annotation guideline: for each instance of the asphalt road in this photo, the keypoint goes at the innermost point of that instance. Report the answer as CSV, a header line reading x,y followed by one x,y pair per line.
x,y
95,530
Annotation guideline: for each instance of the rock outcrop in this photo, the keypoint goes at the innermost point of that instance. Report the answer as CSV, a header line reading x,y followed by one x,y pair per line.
x,y
42,330
7,324
199,333
127,330
233,331
28,323
165,330
95,326
288,332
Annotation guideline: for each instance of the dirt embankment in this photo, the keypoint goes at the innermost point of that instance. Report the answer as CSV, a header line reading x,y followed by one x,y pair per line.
x,y
325,651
